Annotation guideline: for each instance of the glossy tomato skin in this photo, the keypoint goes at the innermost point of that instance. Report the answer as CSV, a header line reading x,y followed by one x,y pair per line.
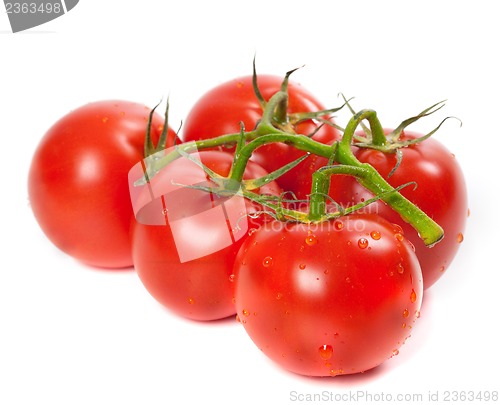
x,y
77,183
441,193
167,257
337,298
221,110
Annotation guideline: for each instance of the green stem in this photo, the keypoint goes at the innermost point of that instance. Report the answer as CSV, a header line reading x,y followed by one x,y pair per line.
x,y
430,232
378,135
301,142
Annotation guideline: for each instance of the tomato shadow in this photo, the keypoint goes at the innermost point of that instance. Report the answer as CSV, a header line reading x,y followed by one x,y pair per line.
x,y
127,269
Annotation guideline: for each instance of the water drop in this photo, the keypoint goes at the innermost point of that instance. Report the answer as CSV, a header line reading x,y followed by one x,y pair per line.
x,y
245,312
268,261
302,266
191,301
363,243
460,238
231,278
339,225
325,352
406,313
104,119
311,239
333,373
395,352
399,236
400,268
375,235
279,296
412,246
398,229
413,296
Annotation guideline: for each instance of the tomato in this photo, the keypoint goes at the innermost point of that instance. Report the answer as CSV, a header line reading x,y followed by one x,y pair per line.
x,y
184,242
221,110
441,193
339,297
77,185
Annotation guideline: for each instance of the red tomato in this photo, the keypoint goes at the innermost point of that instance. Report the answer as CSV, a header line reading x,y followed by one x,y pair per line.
x,y
440,193
334,298
221,110
186,262
77,184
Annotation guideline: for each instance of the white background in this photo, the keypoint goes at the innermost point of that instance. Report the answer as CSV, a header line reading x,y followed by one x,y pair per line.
x,y
70,334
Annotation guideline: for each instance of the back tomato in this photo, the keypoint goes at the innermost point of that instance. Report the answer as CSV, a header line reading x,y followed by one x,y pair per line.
x,y
338,297
221,110
440,192
77,185
185,240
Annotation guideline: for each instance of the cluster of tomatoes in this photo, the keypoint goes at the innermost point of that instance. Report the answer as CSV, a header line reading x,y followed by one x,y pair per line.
x,y
300,238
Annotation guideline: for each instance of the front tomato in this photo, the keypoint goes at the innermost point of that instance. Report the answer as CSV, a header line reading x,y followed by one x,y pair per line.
x,y
77,183
338,297
222,109
185,240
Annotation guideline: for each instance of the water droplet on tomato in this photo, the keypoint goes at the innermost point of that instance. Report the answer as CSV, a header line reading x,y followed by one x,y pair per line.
x,y
363,243
376,235
413,296
395,352
334,373
417,314
460,238
191,301
406,313
325,352
338,225
311,239
400,268
104,119
231,278
397,229
279,296
412,246
347,280
245,312
302,266
268,261
399,236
